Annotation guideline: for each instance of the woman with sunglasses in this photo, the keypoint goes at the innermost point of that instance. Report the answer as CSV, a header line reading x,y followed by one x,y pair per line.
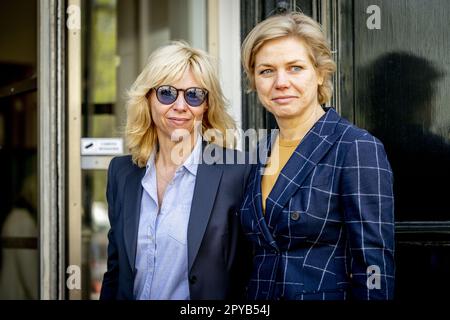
x,y
174,224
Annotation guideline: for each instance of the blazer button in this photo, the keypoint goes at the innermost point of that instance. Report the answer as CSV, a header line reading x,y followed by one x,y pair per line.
x,y
295,215
193,279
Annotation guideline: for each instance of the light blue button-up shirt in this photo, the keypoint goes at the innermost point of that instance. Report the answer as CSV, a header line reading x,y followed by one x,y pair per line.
x,y
162,255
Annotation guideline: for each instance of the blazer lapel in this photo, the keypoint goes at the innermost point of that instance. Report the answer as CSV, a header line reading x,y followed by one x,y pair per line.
x,y
257,193
307,155
205,190
131,212
257,208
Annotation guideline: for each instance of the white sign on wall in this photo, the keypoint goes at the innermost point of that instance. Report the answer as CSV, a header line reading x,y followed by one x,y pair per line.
x,y
101,146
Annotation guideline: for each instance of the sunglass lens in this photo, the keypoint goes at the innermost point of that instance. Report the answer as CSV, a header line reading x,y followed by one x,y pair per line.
x,y
166,94
195,96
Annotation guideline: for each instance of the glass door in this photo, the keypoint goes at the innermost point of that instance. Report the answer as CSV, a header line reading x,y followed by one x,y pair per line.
x,y
19,214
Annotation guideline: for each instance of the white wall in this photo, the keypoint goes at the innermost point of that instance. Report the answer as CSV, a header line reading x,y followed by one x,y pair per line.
x,y
229,55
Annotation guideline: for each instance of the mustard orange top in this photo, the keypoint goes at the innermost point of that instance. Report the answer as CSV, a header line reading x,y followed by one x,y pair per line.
x,y
282,150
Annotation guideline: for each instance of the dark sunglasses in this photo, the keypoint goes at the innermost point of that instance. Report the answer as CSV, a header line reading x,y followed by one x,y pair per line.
x,y
193,96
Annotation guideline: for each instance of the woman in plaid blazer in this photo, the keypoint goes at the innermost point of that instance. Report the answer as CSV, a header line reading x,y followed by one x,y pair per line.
x,y
319,212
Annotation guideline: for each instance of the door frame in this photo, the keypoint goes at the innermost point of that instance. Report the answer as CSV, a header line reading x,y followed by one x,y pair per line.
x,y
51,153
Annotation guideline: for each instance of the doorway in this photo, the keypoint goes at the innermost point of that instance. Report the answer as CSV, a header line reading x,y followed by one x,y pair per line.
x,y
19,254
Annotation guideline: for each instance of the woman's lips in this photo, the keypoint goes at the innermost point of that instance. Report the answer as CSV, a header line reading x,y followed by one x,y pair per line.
x,y
178,121
284,99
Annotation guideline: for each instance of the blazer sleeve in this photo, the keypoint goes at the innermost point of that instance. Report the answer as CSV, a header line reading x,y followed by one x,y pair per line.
x,y
367,197
110,278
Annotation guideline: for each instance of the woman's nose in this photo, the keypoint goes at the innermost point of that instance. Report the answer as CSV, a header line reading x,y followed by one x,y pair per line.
x,y
281,80
180,104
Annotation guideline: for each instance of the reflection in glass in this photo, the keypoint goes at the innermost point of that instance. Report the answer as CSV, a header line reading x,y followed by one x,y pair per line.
x,y
401,95
401,108
19,255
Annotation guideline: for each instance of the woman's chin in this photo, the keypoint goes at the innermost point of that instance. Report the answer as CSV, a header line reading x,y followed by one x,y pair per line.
x,y
180,134
285,114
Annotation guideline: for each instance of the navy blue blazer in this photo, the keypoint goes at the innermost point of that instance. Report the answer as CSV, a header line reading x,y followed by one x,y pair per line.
x,y
328,231
216,253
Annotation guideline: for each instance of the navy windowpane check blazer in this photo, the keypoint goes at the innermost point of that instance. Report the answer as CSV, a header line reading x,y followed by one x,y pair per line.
x,y
328,230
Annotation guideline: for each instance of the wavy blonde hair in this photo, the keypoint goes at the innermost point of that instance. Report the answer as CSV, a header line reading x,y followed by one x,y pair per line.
x,y
298,25
166,65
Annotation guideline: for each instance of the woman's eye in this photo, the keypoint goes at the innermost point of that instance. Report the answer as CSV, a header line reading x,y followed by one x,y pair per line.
x,y
296,68
265,71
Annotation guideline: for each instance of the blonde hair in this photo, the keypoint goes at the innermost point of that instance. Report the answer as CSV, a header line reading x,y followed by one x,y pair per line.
x,y
164,66
298,25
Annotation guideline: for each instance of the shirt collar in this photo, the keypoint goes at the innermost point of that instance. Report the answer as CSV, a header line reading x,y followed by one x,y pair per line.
x,y
191,163
151,161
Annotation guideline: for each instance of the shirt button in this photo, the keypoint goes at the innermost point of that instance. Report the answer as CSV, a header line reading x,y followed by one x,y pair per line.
x,y
193,279
295,215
